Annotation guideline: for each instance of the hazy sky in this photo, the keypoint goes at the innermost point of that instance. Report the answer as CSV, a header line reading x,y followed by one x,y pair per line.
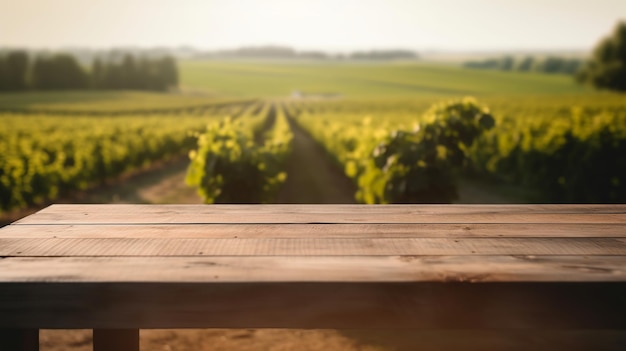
x,y
335,25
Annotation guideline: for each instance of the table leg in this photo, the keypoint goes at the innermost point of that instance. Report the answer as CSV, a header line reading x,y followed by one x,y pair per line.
x,y
116,340
19,339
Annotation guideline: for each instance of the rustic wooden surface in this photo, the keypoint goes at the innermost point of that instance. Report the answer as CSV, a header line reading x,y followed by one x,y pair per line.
x,y
261,214
315,266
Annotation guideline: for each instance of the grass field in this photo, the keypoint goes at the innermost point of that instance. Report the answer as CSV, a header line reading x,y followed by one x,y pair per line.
x,y
209,81
100,100
401,79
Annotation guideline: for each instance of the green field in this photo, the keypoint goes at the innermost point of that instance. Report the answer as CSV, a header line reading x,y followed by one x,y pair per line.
x,y
102,101
210,81
401,79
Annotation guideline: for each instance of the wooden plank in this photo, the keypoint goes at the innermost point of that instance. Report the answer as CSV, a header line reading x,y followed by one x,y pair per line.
x,y
347,208
315,305
19,339
116,340
377,268
314,269
185,214
373,230
489,340
310,246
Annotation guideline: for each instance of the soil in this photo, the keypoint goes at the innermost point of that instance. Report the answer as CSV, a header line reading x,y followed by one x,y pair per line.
x,y
312,176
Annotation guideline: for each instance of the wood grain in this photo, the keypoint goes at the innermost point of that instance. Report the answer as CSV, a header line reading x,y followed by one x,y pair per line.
x,y
340,230
182,214
310,246
320,269
315,266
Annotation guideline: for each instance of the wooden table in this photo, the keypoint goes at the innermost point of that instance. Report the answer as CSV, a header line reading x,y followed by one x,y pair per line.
x,y
120,268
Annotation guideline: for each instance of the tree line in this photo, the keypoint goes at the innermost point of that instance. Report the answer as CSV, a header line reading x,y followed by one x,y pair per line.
x,y
550,64
287,53
61,71
604,69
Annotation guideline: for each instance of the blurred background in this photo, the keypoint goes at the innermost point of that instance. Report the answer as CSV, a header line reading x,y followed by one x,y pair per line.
x,y
276,101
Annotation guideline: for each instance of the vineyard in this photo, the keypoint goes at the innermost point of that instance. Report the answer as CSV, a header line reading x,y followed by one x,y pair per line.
x,y
560,149
394,151
242,160
44,156
555,147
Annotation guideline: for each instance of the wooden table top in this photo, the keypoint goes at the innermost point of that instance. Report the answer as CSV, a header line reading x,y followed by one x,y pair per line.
x,y
224,260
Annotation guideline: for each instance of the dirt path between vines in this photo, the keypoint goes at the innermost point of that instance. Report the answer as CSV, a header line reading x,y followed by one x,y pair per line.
x,y
312,176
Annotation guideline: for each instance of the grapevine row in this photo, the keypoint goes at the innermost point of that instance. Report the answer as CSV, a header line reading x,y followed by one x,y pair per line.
x,y
560,149
400,164
242,160
43,157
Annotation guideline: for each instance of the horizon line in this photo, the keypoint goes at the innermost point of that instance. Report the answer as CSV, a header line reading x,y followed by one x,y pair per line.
x,y
429,50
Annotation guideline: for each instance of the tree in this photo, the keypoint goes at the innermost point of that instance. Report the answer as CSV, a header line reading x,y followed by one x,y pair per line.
x,y
169,72
506,63
525,64
70,74
13,71
97,74
607,66
130,79
552,64
3,74
41,73
571,66
58,72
